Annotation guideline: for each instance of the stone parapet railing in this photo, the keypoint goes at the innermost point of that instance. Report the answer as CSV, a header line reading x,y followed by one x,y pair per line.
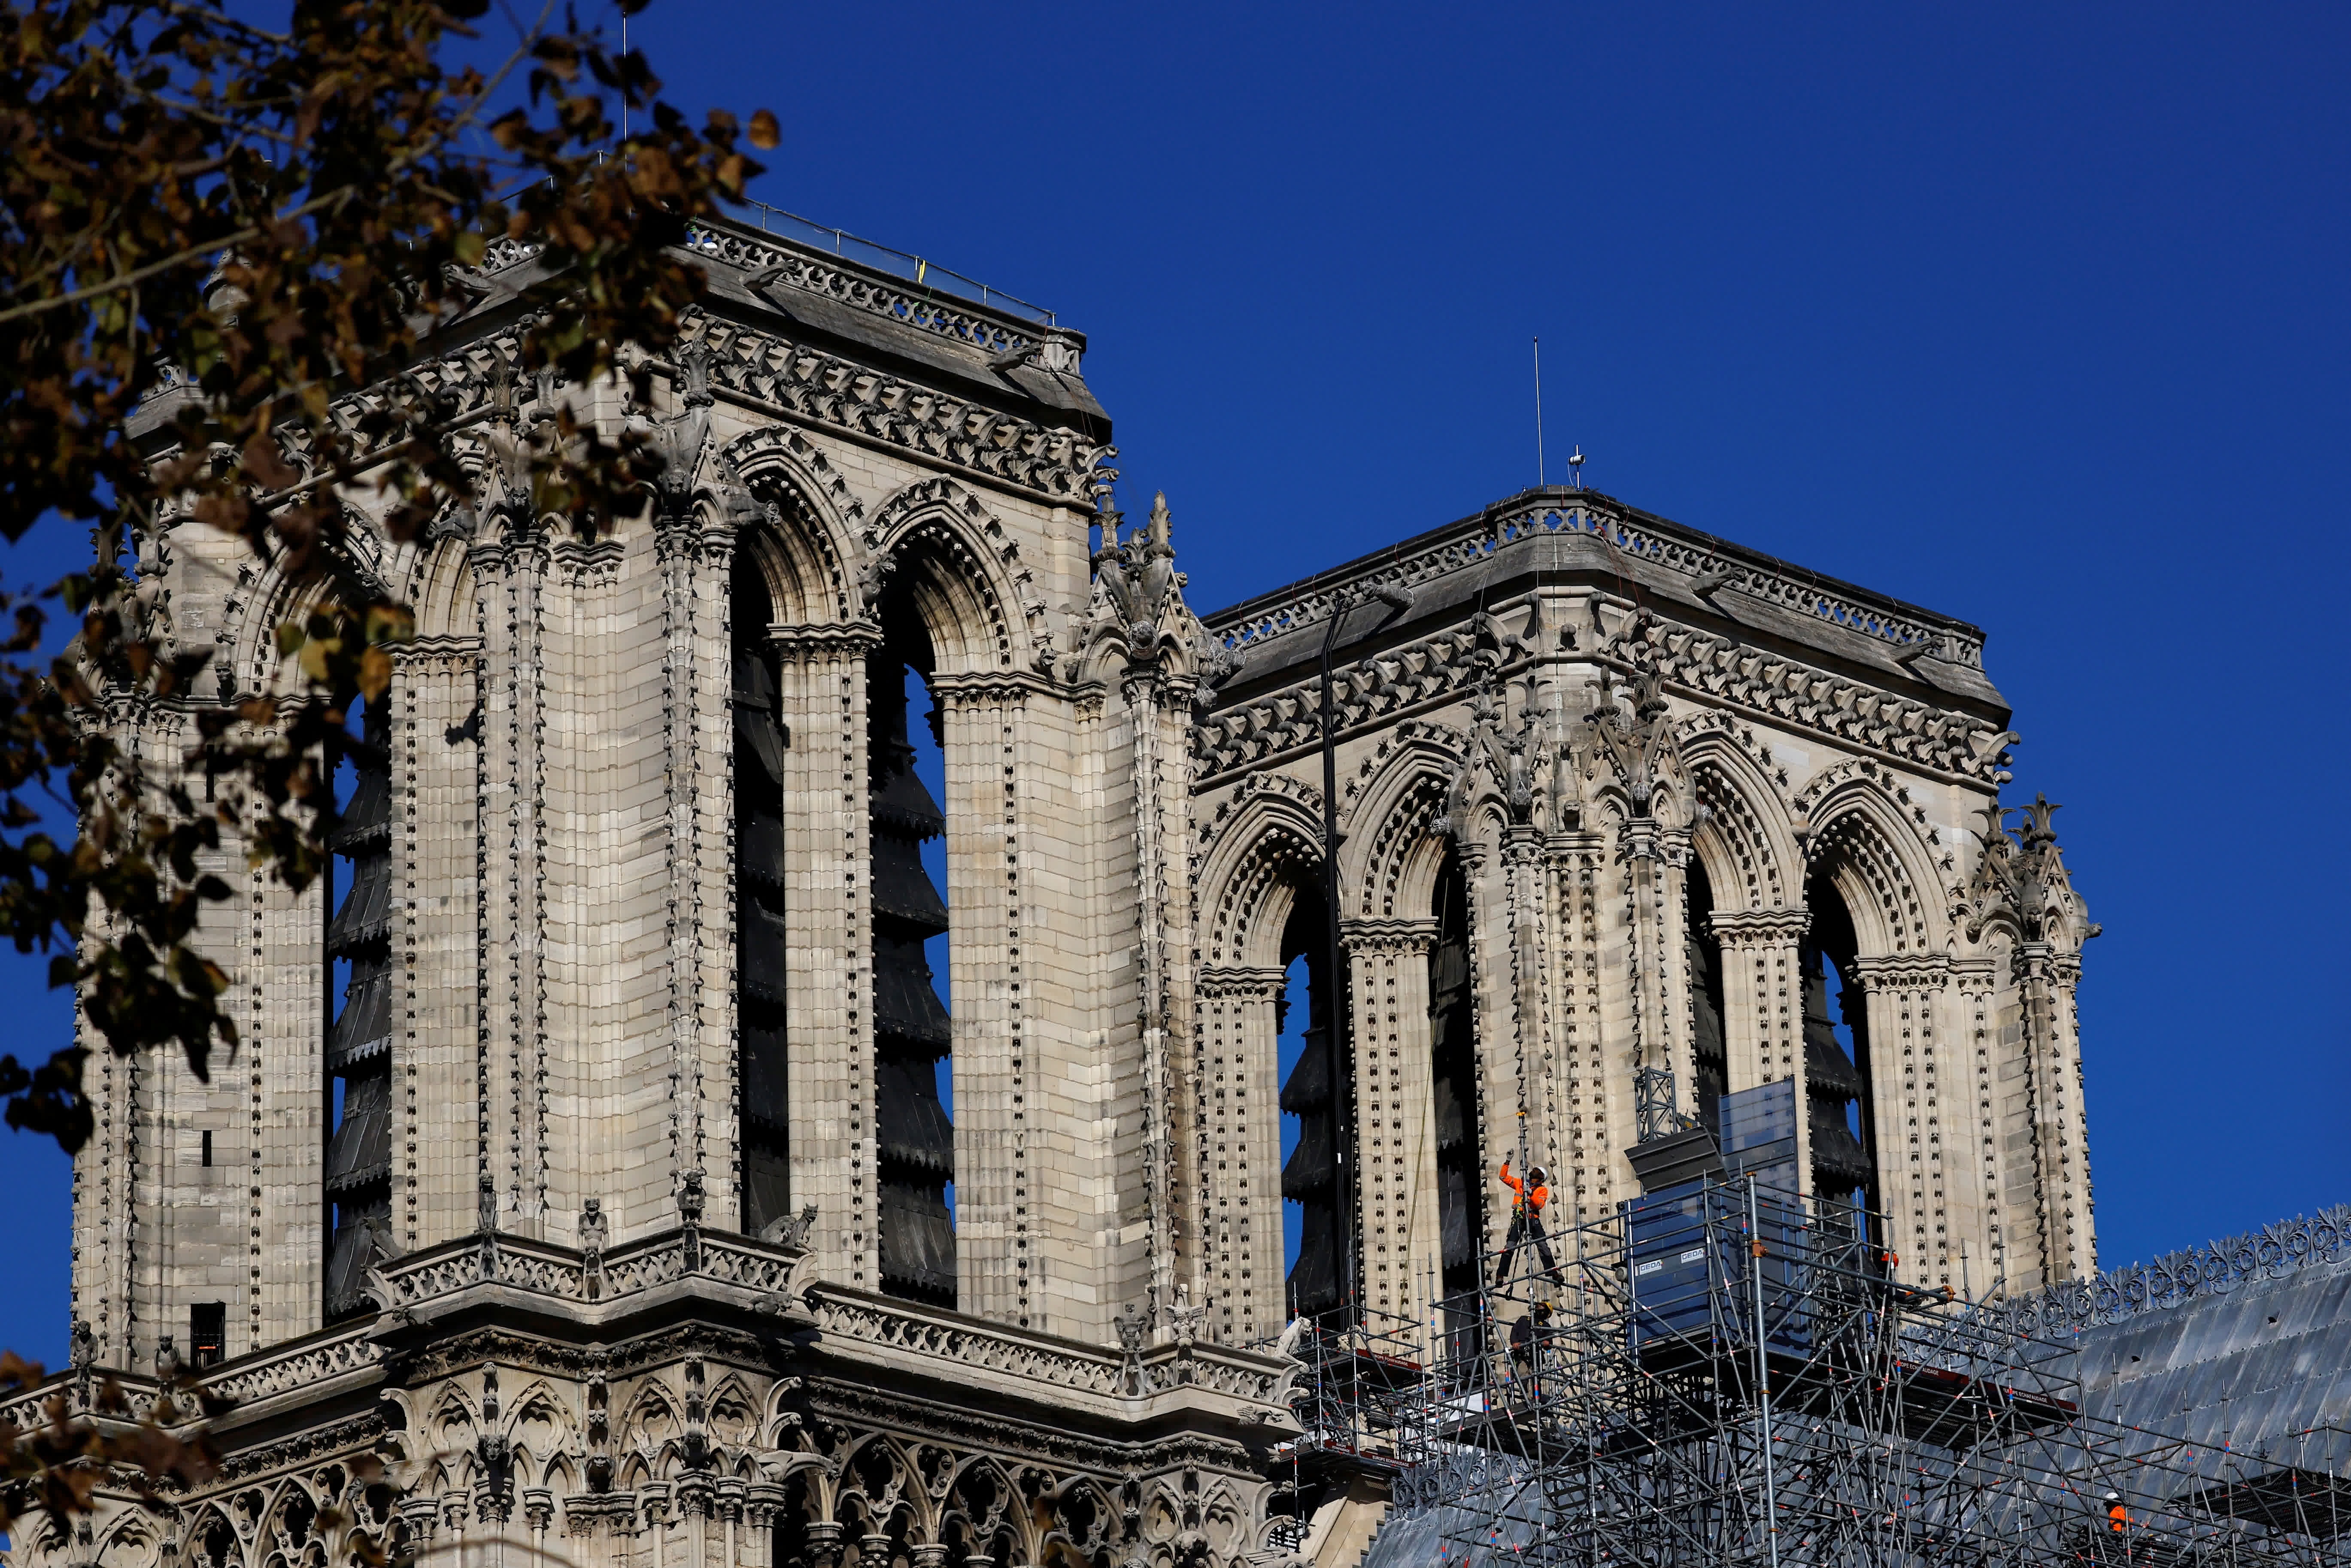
x,y
2177,1279
411,1287
879,1320
543,1269
1728,568
790,265
797,264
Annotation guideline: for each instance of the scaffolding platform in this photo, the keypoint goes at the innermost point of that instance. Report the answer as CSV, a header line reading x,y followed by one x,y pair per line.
x,y
1769,1396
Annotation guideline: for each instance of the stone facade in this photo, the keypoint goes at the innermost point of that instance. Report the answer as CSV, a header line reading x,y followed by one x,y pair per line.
x,y
576,1169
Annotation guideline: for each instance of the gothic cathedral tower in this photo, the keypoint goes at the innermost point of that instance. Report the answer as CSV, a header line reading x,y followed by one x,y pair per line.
x,y
790,1065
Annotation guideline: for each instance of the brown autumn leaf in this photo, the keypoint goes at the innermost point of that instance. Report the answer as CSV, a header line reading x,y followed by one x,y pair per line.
x,y
290,216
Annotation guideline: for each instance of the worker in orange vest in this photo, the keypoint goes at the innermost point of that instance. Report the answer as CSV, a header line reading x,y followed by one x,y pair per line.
x,y
1526,1222
2117,1516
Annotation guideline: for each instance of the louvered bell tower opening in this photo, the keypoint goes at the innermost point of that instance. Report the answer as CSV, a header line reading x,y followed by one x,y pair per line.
x,y
358,1038
912,1035
1453,1073
1309,1112
1709,1055
762,947
1836,1055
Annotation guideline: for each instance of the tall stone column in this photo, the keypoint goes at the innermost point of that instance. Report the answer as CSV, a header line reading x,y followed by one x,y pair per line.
x,y
1584,1116
1981,1159
510,574
828,910
1523,1061
105,1208
2046,979
1159,713
1763,995
280,1068
1656,985
694,554
439,857
1396,1132
999,1141
1236,1151
1911,1091
1510,1006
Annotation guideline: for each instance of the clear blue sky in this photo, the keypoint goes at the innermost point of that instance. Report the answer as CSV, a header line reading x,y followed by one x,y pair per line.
x,y
2038,317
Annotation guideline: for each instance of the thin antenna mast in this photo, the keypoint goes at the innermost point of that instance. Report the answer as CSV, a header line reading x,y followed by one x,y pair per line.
x,y
1539,451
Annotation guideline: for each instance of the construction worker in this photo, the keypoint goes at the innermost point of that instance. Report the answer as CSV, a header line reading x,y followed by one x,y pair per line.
x,y
1526,1222
2117,1516
1524,1335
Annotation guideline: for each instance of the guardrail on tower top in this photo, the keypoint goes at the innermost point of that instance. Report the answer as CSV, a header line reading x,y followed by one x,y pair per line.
x,y
918,270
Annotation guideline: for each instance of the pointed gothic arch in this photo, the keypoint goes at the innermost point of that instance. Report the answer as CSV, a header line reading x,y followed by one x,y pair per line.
x,y
1873,849
1864,868
960,569
808,540
1261,906
1746,836
441,590
1388,867
1271,843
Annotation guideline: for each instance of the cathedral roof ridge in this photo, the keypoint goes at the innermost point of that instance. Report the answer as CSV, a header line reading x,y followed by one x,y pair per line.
x,y
1711,563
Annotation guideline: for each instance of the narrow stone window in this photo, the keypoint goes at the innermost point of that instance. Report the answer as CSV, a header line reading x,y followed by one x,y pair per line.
x,y
914,1037
1310,1111
762,941
359,1040
1709,1058
1453,1073
1836,1055
207,1332
206,1151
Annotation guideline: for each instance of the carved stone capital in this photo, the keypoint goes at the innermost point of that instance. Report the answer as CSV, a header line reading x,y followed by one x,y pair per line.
x,y
855,638
989,688
1240,983
1387,936
1744,929
1903,972
423,1517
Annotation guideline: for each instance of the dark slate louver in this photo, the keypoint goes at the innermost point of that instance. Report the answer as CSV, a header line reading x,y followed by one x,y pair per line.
x,y
1309,1177
762,937
1841,1162
1709,1054
913,1032
359,1040
1461,1178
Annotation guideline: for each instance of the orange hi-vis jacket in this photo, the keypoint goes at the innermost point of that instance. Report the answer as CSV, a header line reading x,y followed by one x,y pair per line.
x,y
1528,1202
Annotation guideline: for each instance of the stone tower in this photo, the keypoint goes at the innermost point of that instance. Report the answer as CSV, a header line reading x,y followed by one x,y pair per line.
x,y
1619,804
585,1179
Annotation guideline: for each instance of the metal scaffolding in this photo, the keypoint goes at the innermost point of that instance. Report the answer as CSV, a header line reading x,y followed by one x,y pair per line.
x,y
1725,1372
1357,1395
